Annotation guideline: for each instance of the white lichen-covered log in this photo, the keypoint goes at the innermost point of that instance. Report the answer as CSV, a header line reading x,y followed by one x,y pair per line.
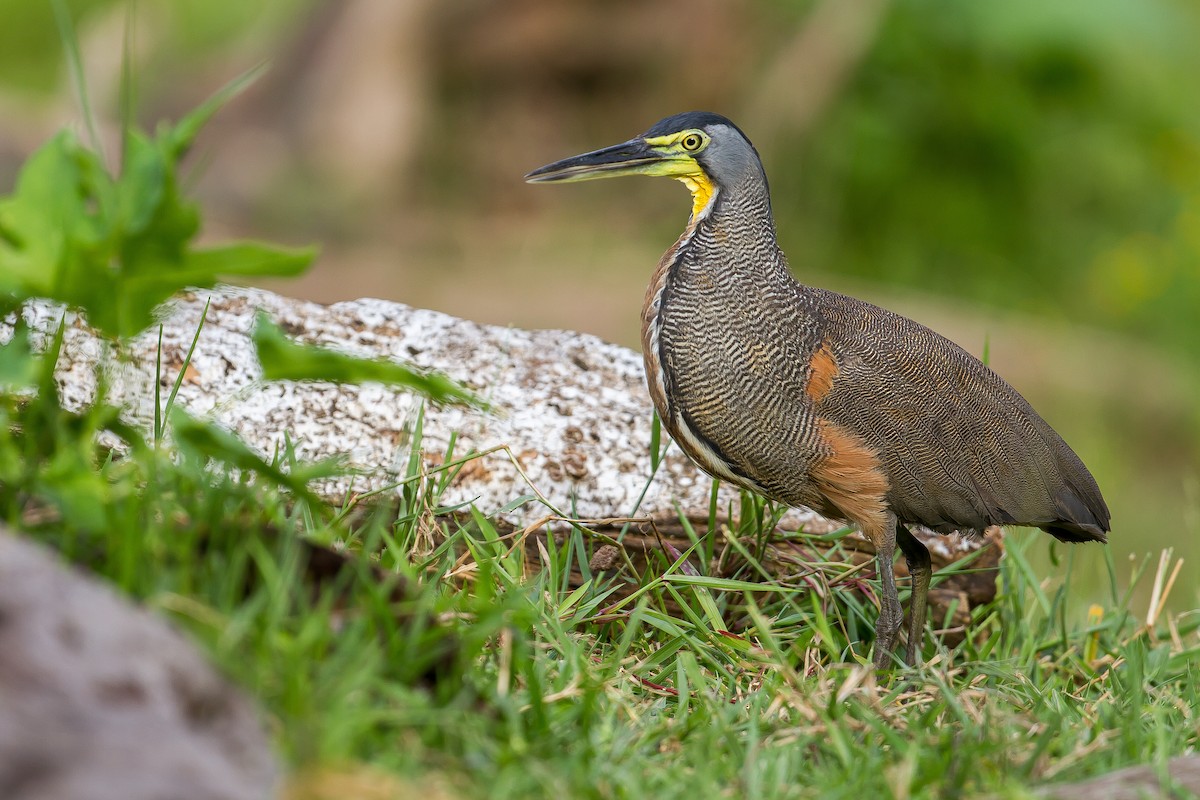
x,y
570,418
571,409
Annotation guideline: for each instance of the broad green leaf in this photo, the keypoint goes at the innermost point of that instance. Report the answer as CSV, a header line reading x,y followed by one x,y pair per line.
x,y
18,365
567,605
284,360
43,218
139,292
81,493
142,184
244,259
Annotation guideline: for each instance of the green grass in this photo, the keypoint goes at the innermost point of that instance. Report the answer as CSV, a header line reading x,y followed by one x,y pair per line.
x,y
442,654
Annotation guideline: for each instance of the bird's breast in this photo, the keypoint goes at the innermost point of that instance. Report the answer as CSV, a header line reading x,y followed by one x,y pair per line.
x,y
737,360
652,320
712,356
661,379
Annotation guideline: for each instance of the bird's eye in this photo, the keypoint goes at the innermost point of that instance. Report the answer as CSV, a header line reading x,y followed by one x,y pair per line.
x,y
692,142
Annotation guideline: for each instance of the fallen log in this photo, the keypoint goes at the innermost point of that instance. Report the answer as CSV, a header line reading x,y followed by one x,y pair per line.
x,y
568,434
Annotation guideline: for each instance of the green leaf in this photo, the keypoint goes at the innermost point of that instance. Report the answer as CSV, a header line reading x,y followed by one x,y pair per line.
x,y
158,277
210,440
180,137
512,505
18,365
76,488
204,267
655,440
142,185
45,219
725,584
284,360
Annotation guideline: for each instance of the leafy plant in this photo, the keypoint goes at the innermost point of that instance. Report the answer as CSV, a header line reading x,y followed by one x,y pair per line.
x,y
117,246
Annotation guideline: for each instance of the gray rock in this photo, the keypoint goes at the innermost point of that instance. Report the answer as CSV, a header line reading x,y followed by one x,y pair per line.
x,y
100,700
1182,779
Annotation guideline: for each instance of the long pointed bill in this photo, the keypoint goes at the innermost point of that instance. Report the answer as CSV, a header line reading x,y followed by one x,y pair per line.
x,y
634,157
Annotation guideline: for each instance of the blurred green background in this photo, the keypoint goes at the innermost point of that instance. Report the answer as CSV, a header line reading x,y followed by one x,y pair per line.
x,y
1022,176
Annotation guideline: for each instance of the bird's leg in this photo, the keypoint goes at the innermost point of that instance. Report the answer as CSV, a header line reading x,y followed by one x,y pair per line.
x,y
890,614
916,555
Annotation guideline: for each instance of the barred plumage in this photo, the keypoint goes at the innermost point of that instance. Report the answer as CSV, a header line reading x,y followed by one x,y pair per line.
x,y
817,399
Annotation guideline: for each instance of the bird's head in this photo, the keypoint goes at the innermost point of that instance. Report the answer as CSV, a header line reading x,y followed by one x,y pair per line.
x,y
705,151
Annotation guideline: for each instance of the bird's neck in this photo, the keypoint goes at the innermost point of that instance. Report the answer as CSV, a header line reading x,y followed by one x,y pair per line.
x,y
732,232
728,252
729,240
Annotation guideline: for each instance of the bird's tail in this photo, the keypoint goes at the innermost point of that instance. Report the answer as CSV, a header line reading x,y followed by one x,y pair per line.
x,y
1075,532
1083,515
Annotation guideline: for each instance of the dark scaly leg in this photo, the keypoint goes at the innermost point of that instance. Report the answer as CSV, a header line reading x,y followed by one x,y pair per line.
x,y
921,570
891,616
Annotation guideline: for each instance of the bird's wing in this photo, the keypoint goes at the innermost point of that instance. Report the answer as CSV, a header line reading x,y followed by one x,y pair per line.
x,y
961,448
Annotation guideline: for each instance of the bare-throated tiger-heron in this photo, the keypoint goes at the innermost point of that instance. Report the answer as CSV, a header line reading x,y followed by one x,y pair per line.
x,y
816,399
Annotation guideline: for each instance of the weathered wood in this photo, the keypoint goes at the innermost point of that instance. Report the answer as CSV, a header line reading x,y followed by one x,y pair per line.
x,y
570,428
